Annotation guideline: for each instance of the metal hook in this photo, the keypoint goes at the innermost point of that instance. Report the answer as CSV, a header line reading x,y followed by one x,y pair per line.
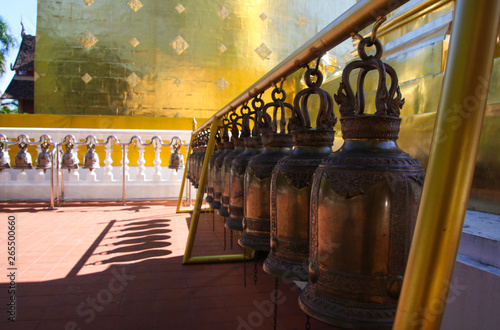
x,y
356,35
378,23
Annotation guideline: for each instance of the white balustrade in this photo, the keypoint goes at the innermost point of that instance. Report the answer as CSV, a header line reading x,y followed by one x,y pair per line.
x,y
91,183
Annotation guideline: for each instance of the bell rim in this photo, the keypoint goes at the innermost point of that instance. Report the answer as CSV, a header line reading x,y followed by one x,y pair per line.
x,y
272,263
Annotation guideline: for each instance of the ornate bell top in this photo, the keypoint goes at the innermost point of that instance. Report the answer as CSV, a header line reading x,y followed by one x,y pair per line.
x,y
384,123
300,123
273,126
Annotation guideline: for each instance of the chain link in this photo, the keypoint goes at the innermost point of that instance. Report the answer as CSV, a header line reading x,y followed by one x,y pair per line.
x,y
244,268
255,272
231,241
275,303
213,220
308,324
225,234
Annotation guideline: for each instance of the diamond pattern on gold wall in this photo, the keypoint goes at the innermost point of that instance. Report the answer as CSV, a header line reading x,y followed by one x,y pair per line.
x,y
135,5
134,42
133,80
179,45
86,78
222,48
180,8
87,39
222,83
302,21
263,51
222,12
89,2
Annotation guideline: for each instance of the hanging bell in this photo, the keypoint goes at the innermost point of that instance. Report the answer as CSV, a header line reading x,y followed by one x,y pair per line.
x,y
176,160
44,159
4,157
226,147
69,159
210,178
253,146
228,161
22,161
91,159
257,182
292,179
364,203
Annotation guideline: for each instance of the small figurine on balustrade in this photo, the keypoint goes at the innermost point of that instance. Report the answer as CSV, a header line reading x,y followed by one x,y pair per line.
x,y
44,160
4,157
176,160
91,159
22,161
69,159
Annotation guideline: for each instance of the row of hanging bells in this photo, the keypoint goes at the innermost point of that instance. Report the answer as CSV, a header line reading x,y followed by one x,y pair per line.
x,y
343,220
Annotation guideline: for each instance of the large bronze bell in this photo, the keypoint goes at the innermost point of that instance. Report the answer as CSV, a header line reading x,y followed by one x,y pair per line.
x,y
228,162
69,159
200,157
44,159
253,146
22,161
364,203
210,169
176,160
4,157
91,159
257,185
227,147
292,179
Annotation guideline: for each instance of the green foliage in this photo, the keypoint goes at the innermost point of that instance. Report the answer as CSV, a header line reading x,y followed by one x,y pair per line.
x,y
6,42
9,107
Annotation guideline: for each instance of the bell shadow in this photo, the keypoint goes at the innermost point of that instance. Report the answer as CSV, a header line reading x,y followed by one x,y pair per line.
x,y
141,240
139,223
136,247
144,233
145,227
133,257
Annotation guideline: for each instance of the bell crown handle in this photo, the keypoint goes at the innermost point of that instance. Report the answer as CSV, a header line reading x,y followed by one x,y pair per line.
x,y
300,114
275,123
388,102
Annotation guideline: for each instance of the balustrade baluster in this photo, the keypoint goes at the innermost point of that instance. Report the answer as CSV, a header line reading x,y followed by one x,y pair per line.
x,y
108,174
141,176
157,160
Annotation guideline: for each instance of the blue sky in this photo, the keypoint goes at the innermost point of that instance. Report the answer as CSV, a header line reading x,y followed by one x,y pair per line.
x,y
12,11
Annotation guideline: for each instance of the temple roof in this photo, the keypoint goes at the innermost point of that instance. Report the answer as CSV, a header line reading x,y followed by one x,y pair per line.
x,y
25,60
20,88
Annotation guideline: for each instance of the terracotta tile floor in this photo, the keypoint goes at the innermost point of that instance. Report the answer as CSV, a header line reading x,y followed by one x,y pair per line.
x,y
120,267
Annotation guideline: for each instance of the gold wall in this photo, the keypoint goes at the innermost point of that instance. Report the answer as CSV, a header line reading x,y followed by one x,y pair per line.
x,y
161,57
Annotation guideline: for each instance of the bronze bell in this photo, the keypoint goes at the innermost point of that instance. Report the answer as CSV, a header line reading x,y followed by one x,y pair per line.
x,y
4,157
22,161
253,146
292,179
44,159
227,147
228,161
364,203
176,160
257,184
69,159
210,178
91,159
